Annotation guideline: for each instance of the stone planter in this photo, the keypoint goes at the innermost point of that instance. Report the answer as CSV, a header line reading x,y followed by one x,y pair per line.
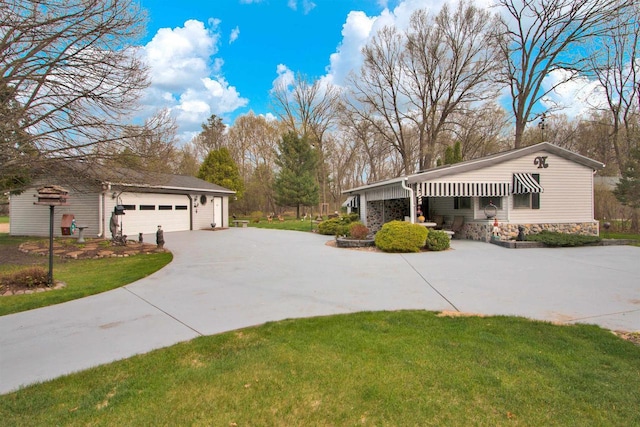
x,y
345,242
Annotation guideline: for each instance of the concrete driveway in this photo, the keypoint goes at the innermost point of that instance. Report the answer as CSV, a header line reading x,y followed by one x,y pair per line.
x,y
229,279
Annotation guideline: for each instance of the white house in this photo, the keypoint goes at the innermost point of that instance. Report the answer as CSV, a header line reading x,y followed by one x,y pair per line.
x,y
539,187
175,202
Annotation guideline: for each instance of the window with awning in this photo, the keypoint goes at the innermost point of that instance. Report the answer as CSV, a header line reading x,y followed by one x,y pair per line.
x,y
462,189
524,183
352,202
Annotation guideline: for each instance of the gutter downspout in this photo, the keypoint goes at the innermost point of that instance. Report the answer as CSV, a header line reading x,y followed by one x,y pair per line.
x,y
412,202
190,211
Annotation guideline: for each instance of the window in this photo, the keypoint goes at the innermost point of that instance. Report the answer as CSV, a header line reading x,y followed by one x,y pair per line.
x,y
485,201
165,207
129,207
522,201
462,203
203,200
147,207
528,200
181,207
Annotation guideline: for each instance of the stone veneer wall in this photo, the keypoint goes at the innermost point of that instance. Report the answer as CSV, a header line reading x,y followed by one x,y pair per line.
x,y
483,230
381,211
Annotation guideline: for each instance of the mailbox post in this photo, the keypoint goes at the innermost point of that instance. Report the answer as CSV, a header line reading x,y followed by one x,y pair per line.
x,y
52,196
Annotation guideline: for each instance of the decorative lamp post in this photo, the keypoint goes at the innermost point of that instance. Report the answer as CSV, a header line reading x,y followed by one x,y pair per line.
x,y
52,196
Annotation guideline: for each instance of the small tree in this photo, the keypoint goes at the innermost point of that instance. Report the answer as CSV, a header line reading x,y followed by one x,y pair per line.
x,y
219,168
295,184
628,189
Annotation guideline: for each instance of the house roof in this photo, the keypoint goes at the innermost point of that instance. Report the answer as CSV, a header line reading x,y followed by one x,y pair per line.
x,y
80,172
483,162
166,182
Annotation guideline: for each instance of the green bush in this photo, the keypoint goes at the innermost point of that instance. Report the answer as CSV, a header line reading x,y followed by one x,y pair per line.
x,y
438,241
358,230
401,236
555,239
334,227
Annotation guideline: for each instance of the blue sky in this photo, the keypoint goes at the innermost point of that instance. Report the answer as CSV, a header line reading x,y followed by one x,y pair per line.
x,y
223,57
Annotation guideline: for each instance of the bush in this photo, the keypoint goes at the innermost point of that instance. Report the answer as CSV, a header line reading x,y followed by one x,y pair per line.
x,y
33,277
401,236
555,239
357,230
334,227
438,241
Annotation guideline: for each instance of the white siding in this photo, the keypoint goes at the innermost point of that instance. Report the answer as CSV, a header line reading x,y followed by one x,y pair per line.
x,y
28,219
567,196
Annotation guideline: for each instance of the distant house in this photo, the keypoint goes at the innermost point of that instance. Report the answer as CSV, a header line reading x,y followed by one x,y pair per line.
x,y
175,202
539,187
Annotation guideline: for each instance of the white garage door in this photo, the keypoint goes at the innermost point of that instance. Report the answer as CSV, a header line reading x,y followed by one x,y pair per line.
x,y
145,211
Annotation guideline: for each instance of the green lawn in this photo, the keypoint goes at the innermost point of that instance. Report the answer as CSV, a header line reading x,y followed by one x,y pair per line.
x,y
4,220
288,224
82,277
385,368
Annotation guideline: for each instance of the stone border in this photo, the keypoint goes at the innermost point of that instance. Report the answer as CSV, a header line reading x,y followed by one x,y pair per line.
x,y
343,242
514,244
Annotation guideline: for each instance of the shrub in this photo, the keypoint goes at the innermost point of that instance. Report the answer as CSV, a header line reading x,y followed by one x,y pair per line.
x,y
555,239
333,227
26,278
438,241
401,236
357,230
352,217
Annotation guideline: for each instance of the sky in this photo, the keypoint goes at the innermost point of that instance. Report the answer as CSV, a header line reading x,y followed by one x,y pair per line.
x,y
223,57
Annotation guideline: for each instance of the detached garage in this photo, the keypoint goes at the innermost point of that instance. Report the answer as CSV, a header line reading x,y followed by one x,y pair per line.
x,y
175,202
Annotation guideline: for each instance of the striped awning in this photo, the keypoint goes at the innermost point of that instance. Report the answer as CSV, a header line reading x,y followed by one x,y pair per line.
x,y
351,202
525,183
463,189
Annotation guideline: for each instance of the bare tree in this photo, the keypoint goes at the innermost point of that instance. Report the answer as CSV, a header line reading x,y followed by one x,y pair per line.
x,y
376,94
450,64
616,64
481,131
542,36
151,147
73,75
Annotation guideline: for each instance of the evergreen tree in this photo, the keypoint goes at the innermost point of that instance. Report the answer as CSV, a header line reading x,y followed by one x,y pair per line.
x,y
219,168
453,154
628,189
295,184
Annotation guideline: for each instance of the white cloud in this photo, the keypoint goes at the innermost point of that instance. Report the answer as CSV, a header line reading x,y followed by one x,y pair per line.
x,y
185,75
575,96
234,35
307,5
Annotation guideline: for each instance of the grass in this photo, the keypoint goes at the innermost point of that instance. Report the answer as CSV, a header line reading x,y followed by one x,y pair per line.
x,y
4,220
288,224
385,368
618,235
82,277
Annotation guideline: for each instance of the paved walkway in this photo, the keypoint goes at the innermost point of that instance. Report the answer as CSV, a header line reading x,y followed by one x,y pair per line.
x,y
229,279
